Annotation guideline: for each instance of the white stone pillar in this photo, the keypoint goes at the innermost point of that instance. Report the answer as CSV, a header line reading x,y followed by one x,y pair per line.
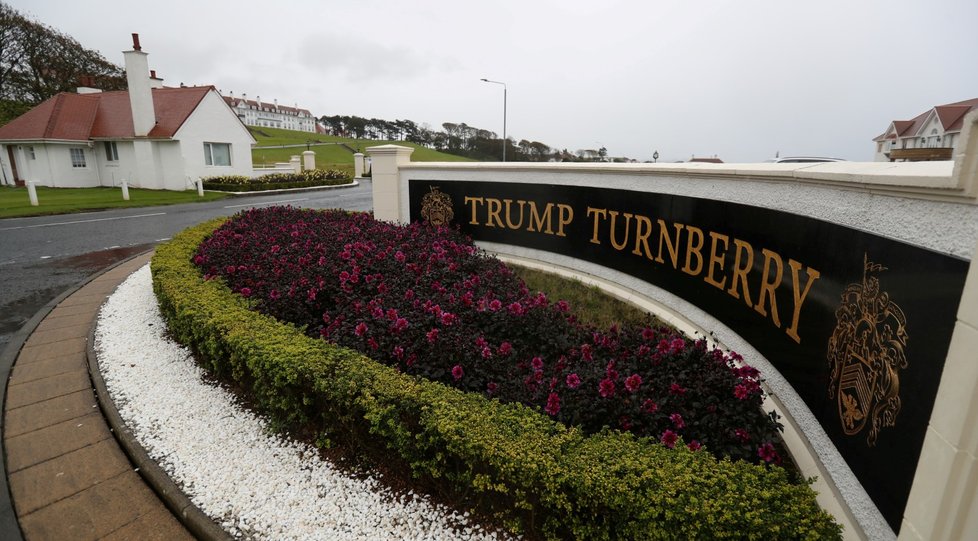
x,y
387,160
32,192
943,502
308,160
296,164
125,190
200,187
358,165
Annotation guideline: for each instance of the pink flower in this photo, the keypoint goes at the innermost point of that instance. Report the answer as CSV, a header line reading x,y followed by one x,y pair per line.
x,y
448,318
537,363
694,445
606,388
677,421
245,291
457,372
676,389
768,454
491,387
505,348
649,406
562,306
274,294
432,336
495,305
742,435
648,334
553,404
361,329
398,352
400,257
669,438
741,392
586,352
573,381
400,324
633,382
486,352
516,309
230,269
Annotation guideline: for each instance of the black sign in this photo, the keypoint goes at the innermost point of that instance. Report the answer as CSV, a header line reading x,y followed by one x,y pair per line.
x,y
858,324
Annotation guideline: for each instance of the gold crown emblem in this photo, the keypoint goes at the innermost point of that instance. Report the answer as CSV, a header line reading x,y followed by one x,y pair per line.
x,y
436,207
866,353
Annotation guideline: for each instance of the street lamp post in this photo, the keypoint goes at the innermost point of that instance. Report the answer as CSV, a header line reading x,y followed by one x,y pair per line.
x,y
504,113
655,157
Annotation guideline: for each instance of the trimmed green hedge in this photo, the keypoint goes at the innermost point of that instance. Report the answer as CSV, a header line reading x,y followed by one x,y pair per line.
x,y
533,474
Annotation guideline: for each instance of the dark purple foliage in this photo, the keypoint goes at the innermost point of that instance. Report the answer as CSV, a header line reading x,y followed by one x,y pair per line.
x,y
427,301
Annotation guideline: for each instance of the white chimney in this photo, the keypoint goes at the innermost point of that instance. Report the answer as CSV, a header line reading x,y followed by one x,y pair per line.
x,y
140,90
154,81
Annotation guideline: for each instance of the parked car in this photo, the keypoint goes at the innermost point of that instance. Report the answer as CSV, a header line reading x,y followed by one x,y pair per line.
x,y
803,159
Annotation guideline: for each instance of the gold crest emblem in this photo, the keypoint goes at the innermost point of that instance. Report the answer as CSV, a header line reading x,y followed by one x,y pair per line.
x,y
436,207
866,353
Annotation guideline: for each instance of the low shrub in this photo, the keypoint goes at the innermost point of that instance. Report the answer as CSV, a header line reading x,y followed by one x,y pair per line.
x,y
428,302
276,181
533,474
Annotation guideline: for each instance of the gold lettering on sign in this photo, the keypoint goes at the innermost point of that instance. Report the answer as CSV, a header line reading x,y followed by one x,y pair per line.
x,y
721,260
866,352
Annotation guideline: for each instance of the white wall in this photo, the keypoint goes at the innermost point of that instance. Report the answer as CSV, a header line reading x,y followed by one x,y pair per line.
x,y
51,165
214,122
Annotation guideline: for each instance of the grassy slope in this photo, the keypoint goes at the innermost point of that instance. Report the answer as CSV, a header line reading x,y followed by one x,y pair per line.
x,y
15,201
329,156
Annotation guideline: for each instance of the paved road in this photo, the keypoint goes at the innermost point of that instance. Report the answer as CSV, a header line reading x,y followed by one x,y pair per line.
x,y
41,257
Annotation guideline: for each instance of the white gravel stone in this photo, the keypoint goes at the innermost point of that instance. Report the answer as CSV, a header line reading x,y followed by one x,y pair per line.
x,y
257,485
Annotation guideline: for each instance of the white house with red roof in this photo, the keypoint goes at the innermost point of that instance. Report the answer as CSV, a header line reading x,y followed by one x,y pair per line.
x,y
931,135
151,136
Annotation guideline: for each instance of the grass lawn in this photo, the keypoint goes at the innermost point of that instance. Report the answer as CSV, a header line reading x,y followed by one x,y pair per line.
x,y
589,303
329,156
15,202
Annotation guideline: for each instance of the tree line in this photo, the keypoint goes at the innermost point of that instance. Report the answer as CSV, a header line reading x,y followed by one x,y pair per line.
x,y
456,138
37,62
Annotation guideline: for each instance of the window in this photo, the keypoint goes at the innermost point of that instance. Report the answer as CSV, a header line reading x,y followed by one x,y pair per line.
x,y
77,157
111,152
217,153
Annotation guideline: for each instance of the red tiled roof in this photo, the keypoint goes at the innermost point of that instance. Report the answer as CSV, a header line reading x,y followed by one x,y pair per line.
x,y
951,116
104,115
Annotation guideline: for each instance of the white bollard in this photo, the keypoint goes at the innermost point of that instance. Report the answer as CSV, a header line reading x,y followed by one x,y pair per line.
x,y
32,192
125,190
308,160
358,165
200,187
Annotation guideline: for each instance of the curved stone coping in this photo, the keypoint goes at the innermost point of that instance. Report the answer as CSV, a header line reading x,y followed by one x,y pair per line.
x,y
195,520
353,184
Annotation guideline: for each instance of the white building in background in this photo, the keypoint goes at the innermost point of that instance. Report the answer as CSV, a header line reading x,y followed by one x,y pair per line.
x,y
931,135
151,136
271,115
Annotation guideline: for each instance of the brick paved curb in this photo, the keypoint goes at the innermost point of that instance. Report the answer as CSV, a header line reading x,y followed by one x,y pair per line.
x,y
9,525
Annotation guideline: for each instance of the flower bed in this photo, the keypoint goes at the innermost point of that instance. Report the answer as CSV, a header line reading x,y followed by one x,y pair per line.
x,y
427,301
277,181
505,460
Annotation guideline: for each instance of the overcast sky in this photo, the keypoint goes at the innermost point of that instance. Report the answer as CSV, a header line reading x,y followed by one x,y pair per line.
x,y
737,79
